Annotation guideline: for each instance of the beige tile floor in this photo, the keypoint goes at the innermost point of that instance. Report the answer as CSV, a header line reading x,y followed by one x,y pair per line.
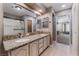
x,y
57,49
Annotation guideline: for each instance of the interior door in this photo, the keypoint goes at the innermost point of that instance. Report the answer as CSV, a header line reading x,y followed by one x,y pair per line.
x,y
29,25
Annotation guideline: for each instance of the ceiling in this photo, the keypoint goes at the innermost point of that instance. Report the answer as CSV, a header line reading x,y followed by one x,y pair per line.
x,y
8,8
37,7
58,6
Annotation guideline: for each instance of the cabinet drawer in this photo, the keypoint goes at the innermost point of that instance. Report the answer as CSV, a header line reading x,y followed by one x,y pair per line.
x,y
22,51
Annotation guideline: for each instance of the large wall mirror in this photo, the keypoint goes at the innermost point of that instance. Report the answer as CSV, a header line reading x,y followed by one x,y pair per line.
x,y
39,23
14,16
45,23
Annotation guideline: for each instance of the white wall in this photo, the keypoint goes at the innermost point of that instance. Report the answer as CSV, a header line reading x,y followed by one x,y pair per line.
x,y
64,12
75,29
12,26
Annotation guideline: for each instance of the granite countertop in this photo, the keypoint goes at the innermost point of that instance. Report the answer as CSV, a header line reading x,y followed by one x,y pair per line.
x,y
11,44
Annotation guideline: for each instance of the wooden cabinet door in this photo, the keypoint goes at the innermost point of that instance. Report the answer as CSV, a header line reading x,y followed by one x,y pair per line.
x,y
34,48
46,42
41,45
22,51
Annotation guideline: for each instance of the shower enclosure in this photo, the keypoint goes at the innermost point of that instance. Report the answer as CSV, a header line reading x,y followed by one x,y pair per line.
x,y
63,29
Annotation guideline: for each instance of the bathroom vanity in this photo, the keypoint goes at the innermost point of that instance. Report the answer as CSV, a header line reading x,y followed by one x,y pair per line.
x,y
33,45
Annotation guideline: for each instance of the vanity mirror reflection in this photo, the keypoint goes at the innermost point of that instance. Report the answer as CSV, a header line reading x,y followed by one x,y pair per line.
x,y
39,23
45,23
15,18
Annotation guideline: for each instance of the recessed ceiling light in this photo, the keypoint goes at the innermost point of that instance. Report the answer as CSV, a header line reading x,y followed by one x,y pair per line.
x,y
40,10
63,6
18,8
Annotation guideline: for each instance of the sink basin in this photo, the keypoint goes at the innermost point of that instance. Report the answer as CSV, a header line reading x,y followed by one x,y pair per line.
x,y
21,40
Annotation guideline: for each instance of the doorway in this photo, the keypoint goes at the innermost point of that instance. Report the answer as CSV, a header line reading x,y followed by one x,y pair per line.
x,y
29,25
